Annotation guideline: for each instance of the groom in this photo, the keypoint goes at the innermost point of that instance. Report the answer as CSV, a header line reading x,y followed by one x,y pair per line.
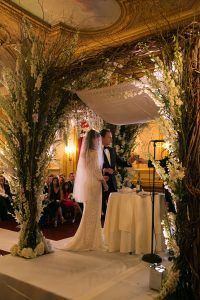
x,y
111,161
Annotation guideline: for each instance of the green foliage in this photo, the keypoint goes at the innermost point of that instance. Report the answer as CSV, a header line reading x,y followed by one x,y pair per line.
x,y
124,139
40,97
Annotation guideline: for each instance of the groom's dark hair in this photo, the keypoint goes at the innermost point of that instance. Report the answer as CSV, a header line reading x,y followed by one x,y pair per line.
x,y
104,131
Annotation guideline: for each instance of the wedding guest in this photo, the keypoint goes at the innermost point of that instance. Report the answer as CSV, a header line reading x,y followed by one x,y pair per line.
x,y
61,180
47,184
71,186
54,206
68,201
46,191
71,182
5,199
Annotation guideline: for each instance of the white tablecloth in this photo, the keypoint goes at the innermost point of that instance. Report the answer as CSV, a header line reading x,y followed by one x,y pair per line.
x,y
128,223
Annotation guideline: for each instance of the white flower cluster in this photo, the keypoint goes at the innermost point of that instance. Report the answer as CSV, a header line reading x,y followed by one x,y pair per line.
x,y
44,246
169,229
173,177
164,86
119,181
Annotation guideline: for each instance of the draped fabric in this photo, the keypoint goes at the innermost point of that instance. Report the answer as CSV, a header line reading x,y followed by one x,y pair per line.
x,y
122,104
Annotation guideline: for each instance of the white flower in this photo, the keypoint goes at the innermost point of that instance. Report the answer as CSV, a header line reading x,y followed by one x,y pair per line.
x,y
120,66
39,249
14,250
33,70
35,118
27,253
34,50
38,82
129,94
47,245
117,148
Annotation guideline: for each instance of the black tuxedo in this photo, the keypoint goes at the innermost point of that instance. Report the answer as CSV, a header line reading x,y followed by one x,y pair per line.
x,y
115,161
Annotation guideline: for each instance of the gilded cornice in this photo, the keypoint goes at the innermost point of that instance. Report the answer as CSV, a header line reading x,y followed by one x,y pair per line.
x,y
144,30
134,22
18,12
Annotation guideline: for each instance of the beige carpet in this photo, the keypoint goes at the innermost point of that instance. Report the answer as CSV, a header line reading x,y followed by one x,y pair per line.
x,y
77,276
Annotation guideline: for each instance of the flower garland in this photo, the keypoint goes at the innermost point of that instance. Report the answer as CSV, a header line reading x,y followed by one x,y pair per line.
x,y
163,87
166,87
124,139
40,98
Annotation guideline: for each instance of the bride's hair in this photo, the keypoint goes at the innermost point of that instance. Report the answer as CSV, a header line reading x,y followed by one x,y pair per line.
x,y
89,140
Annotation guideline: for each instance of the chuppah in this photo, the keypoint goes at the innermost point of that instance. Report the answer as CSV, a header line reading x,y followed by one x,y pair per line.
x,y
51,67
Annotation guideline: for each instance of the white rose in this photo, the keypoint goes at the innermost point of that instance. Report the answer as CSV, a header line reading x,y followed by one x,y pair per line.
x,y
28,253
47,246
35,118
39,249
14,250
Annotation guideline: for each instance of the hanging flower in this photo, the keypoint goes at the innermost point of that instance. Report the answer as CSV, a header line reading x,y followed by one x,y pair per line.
x,y
35,117
38,82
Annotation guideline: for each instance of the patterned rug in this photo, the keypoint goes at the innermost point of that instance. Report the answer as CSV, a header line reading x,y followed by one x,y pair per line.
x,y
63,231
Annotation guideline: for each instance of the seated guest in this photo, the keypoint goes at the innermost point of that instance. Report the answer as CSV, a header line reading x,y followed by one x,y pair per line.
x,y
47,184
5,199
54,207
68,201
71,182
71,187
61,180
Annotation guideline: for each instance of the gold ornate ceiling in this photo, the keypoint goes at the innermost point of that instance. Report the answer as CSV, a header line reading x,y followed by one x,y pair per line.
x,y
101,22
83,14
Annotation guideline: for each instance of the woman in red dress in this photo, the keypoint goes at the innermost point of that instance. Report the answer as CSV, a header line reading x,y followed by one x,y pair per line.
x,y
68,201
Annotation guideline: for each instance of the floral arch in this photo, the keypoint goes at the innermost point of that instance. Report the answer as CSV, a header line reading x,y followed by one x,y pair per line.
x,y
41,93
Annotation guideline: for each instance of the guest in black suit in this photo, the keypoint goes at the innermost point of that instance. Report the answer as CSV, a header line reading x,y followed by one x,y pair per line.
x,y
111,161
5,199
71,182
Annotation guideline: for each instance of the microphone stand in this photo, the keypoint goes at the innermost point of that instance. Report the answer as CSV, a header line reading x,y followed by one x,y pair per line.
x,y
152,257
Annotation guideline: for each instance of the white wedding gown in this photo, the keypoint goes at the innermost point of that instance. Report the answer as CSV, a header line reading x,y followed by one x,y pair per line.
x,y
89,235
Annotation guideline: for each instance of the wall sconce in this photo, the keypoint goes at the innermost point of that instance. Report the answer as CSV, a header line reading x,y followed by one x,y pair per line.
x,y
70,149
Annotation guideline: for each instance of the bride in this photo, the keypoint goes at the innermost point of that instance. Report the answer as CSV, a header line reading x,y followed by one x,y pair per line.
x,y
88,189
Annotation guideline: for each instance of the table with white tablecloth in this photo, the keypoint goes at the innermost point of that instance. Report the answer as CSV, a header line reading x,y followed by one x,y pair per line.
x,y
127,225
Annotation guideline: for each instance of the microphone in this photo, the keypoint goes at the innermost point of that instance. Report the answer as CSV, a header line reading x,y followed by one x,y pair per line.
x,y
157,141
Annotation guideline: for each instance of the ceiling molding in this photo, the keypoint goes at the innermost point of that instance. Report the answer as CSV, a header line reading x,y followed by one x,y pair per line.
x,y
19,13
143,31
125,29
4,36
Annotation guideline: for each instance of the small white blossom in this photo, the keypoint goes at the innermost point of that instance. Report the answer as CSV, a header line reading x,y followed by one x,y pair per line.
x,y
38,82
35,117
